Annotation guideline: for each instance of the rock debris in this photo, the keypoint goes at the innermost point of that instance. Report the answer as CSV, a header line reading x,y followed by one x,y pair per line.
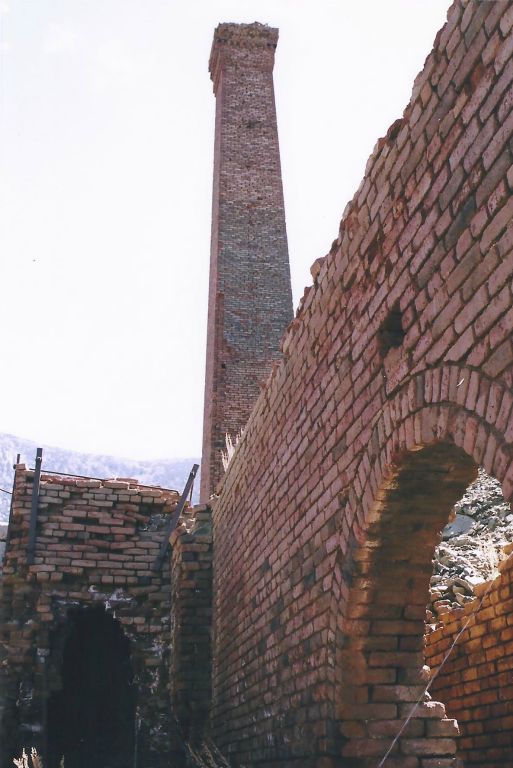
x,y
471,546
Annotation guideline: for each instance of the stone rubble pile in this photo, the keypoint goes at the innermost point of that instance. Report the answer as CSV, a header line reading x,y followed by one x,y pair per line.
x,y
471,547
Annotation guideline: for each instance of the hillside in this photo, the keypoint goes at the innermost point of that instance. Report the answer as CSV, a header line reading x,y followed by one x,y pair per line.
x,y
169,473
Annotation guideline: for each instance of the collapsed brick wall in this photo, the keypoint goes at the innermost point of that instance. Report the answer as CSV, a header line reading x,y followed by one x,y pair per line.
x,y
476,681
96,542
400,360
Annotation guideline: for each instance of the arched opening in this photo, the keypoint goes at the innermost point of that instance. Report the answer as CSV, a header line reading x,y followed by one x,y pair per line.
x,y
91,719
381,659
468,635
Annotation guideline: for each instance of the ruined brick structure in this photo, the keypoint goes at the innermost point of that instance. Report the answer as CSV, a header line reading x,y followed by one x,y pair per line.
x,y
395,384
91,577
250,300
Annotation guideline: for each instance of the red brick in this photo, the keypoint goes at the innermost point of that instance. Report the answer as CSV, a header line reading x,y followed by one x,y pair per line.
x,y
500,359
502,135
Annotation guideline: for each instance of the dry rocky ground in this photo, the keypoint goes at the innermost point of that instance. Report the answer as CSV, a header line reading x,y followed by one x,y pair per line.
x,y
471,546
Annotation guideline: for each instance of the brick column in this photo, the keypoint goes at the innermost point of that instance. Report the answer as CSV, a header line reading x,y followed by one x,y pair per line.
x,y
250,300
191,624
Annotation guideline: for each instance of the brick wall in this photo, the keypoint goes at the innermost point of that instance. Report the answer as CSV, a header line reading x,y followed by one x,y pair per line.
x,y
398,365
96,542
250,300
191,624
476,682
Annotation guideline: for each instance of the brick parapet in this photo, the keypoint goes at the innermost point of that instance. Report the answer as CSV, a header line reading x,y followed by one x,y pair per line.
x,y
403,342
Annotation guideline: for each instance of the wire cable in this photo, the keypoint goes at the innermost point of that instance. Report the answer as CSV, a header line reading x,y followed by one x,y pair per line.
x,y
428,686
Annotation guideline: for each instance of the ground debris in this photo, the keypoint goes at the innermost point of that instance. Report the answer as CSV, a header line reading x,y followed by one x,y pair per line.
x,y
471,546
206,755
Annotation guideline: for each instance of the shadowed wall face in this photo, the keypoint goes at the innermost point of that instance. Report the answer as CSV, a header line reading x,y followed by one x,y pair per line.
x,y
250,300
92,719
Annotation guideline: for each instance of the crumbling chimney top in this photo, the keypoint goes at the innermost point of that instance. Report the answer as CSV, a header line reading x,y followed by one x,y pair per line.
x,y
236,42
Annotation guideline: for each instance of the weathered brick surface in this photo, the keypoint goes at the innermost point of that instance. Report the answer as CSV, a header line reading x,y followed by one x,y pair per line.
x,y
250,300
476,680
96,542
323,538
191,624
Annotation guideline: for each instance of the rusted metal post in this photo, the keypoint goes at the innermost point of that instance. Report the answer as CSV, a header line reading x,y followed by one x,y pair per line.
x,y
33,510
8,537
157,565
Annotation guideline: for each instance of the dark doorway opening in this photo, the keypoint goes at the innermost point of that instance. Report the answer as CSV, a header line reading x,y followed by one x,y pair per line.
x,y
91,720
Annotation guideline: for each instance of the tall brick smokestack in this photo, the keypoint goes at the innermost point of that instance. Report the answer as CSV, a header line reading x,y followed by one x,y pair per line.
x,y
250,298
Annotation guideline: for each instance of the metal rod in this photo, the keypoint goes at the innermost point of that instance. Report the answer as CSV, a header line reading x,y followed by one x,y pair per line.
x,y
8,537
157,565
33,509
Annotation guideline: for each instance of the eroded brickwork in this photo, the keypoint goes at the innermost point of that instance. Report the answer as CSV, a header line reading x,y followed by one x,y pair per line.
x,y
96,542
476,682
399,361
250,300
191,624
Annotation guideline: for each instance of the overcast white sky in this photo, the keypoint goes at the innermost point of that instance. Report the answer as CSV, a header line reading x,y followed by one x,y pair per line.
x,y
106,137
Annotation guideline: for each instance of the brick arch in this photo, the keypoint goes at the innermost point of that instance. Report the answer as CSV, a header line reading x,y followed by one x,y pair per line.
x,y
48,642
380,653
450,403
58,633
417,464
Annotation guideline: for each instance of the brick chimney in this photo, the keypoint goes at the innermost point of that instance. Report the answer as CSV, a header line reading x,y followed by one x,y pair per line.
x,y
250,299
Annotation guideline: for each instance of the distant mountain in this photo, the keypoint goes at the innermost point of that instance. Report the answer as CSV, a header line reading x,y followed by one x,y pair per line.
x,y
168,473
